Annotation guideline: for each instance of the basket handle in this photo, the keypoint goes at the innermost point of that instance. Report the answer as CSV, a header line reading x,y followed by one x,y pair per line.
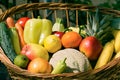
x,y
54,6
4,58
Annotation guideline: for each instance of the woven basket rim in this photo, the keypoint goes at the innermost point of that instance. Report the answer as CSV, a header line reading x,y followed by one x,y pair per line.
x,y
55,6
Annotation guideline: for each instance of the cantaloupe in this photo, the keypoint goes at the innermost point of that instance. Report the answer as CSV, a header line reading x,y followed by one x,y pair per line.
x,y
76,61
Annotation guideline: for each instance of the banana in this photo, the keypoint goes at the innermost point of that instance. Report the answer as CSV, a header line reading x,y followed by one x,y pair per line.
x,y
15,39
116,34
106,54
117,55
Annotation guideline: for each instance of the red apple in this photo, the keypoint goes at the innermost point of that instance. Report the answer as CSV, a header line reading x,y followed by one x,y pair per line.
x,y
33,51
58,33
91,47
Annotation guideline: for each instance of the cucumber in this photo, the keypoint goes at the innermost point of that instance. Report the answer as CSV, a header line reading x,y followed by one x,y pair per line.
x,y
5,42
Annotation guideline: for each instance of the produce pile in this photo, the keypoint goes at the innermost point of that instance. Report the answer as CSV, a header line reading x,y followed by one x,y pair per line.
x,y
41,46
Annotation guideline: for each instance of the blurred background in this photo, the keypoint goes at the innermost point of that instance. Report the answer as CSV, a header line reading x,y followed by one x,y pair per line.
x,y
6,4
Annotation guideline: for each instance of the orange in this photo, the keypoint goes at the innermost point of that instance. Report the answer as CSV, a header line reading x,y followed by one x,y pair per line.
x,y
71,39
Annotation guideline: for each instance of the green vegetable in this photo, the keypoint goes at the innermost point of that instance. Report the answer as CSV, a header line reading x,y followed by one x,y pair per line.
x,y
60,67
36,30
15,39
5,42
58,25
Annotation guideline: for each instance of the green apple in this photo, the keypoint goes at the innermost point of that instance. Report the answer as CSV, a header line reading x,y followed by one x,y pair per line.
x,y
21,61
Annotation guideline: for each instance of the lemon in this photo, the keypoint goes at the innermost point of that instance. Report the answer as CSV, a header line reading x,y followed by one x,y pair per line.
x,y
52,43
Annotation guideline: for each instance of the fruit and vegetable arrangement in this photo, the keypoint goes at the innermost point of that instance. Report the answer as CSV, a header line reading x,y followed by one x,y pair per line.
x,y
41,46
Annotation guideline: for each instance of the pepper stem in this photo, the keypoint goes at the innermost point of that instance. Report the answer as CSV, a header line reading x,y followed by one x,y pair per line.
x,y
63,61
38,17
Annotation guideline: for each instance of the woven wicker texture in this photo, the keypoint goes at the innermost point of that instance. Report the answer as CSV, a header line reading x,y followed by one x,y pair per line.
x,y
111,71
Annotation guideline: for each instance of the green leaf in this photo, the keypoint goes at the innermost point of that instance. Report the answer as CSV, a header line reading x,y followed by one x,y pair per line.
x,y
115,23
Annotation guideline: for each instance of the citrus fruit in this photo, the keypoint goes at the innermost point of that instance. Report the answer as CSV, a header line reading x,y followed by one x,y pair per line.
x,y
39,65
71,39
52,43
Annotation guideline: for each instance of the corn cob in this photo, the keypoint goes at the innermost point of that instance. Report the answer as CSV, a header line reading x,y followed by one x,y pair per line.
x,y
106,54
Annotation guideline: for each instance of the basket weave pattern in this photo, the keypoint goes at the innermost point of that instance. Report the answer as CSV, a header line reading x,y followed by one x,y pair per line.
x,y
111,71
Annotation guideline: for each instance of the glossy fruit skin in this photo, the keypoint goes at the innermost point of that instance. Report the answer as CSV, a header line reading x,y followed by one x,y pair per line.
x,y
22,21
71,39
32,30
39,65
36,30
46,30
58,33
21,61
52,43
33,51
91,47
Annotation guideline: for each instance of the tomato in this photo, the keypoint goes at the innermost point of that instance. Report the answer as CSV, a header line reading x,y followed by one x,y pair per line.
x,y
22,21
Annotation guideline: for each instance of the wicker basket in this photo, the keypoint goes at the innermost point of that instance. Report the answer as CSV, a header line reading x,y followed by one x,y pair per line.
x,y
111,71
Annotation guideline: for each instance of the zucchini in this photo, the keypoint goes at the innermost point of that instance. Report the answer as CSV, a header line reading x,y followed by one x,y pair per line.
x,y
15,39
5,42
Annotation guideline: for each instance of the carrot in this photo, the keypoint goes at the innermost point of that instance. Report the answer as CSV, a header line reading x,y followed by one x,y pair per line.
x,y
10,22
20,33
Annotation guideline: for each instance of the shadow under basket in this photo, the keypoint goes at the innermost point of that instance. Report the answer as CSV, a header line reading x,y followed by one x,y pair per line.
x,y
110,71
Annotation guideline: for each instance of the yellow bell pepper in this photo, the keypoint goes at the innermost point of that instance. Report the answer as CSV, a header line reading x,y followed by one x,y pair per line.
x,y
36,30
